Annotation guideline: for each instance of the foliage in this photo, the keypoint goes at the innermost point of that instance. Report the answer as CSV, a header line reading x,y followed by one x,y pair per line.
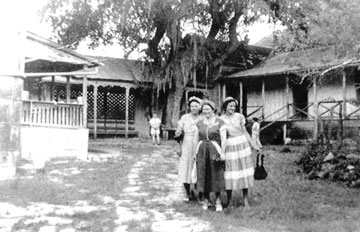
x,y
320,23
181,35
331,161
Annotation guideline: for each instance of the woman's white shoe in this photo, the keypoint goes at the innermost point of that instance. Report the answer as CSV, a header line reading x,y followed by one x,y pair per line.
x,y
218,206
205,204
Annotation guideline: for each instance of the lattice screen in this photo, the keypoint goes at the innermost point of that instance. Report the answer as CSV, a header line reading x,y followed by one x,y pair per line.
x,y
90,102
60,93
110,102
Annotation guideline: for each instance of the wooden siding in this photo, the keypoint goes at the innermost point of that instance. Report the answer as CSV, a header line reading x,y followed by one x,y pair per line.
x,y
275,98
330,92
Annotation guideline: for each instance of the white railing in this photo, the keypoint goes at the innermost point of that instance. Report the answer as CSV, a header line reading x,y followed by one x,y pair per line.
x,y
52,114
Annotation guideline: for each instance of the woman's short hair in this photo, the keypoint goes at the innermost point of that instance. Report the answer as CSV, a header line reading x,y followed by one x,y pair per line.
x,y
209,103
194,99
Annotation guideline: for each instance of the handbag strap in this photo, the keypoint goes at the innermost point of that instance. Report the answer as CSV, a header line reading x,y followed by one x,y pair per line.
x,y
261,163
257,159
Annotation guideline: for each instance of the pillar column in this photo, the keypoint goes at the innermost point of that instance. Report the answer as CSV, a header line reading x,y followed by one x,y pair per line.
x,y
95,110
263,98
316,110
127,112
68,90
241,92
186,100
84,93
344,94
223,92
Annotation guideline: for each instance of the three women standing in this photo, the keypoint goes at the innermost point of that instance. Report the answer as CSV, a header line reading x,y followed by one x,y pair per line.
x,y
221,148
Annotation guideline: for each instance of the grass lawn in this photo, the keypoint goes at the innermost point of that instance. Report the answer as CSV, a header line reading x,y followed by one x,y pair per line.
x,y
285,201
82,186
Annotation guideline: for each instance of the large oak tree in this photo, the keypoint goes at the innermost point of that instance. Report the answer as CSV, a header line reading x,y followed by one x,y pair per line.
x,y
173,53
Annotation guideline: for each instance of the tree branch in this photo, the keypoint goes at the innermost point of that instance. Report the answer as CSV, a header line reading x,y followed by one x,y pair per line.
x,y
216,22
232,26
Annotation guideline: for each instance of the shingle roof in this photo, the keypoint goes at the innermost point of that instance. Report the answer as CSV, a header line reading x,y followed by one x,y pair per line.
x,y
294,62
43,55
119,69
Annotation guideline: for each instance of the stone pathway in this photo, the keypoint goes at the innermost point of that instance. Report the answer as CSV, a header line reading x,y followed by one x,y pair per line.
x,y
162,217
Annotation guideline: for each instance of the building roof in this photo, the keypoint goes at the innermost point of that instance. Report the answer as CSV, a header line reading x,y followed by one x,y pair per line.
x,y
117,69
45,56
295,62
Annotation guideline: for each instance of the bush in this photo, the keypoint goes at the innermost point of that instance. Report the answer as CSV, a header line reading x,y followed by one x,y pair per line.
x,y
338,163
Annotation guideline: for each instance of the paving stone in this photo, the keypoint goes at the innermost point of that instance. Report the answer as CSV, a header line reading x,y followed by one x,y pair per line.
x,y
48,229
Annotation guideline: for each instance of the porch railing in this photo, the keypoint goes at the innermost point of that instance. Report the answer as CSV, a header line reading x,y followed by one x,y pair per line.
x,y
327,109
52,114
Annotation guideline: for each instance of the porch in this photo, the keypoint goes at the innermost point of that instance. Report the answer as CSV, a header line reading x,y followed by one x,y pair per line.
x,y
50,129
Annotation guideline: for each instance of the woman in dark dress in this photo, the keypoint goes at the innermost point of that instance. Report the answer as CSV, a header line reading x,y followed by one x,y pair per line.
x,y
210,156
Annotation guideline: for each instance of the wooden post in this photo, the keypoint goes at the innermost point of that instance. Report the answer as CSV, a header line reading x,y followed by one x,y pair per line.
x,y
84,93
127,112
287,107
344,93
263,97
316,110
287,90
330,125
186,100
68,89
52,89
223,92
219,89
241,96
341,129
95,111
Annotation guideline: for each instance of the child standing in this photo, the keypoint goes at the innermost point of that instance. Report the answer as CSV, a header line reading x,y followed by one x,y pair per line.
x,y
255,132
155,123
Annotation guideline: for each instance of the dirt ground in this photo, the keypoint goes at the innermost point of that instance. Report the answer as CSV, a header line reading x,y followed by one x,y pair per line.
x,y
131,185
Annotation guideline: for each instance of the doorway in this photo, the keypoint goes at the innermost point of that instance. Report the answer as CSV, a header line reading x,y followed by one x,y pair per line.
x,y
301,101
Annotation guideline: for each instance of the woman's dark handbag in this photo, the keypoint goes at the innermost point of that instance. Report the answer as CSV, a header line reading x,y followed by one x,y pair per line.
x,y
180,137
260,172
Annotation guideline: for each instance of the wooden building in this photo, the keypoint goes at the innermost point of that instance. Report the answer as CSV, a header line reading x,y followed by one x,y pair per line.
x,y
243,58
50,128
299,89
117,97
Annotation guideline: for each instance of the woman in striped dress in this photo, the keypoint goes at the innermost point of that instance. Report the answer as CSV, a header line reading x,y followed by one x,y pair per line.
x,y
239,169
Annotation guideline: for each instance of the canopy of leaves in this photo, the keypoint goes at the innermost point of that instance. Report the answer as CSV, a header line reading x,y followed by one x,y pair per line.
x,y
320,23
184,32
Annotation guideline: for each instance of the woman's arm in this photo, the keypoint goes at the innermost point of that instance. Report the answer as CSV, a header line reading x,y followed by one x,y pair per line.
x,y
180,127
246,133
249,139
223,139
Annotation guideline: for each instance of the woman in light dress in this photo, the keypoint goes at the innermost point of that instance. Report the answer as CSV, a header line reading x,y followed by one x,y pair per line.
x,y
239,169
187,125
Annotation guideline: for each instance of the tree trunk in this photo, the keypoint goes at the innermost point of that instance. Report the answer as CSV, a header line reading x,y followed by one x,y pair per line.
x,y
174,98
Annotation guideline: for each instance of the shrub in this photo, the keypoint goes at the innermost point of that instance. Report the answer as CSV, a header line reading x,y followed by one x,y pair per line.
x,y
338,163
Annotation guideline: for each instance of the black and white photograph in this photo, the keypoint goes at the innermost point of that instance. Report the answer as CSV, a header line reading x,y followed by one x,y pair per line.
x,y
180,116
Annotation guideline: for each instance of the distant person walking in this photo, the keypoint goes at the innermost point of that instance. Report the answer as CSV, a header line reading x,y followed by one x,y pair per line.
x,y
155,124
239,169
255,132
187,127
